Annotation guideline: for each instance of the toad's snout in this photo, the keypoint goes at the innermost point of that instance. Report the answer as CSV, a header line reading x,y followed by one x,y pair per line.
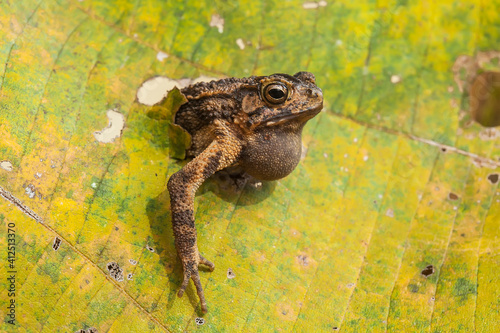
x,y
314,93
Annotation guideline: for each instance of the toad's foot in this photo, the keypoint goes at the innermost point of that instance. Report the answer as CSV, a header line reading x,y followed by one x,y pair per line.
x,y
190,269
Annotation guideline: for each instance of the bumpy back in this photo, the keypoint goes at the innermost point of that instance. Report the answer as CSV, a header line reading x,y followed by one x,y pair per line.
x,y
223,87
207,101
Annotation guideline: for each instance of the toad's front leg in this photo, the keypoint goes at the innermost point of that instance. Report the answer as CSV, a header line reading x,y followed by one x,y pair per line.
x,y
182,186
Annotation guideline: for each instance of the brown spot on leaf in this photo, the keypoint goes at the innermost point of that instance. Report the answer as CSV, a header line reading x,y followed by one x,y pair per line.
x,y
429,270
303,260
493,178
452,196
285,312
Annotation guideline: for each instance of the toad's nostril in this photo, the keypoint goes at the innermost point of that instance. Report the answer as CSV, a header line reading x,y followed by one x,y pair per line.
x,y
312,93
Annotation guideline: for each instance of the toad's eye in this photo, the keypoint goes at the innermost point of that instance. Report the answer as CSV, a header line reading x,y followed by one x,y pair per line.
x,y
275,93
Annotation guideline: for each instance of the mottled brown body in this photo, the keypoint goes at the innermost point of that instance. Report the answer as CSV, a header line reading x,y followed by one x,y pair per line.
x,y
254,123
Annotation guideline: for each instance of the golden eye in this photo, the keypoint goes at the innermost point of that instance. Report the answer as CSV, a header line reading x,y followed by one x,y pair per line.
x,y
275,93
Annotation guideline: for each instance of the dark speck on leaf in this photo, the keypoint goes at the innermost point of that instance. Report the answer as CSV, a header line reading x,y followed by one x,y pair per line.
x,y
90,330
303,260
413,288
452,196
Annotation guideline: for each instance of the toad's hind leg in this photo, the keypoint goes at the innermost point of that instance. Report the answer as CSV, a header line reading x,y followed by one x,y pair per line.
x,y
182,186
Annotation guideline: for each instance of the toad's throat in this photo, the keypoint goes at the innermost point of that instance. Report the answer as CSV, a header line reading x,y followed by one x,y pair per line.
x,y
307,113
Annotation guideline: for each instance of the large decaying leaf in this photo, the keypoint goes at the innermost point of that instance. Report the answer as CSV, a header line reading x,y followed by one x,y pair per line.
x,y
390,222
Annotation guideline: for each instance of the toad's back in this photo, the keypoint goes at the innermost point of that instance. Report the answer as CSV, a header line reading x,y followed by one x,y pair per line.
x,y
207,101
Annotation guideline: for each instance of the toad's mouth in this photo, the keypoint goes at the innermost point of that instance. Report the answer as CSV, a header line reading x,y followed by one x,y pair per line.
x,y
303,115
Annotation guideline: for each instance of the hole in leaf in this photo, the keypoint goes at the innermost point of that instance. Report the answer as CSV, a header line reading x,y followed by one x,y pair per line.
x,y
115,271
230,274
57,243
493,178
429,270
484,99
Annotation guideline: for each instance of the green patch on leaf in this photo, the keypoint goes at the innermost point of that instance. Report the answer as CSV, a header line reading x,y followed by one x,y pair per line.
x,y
165,110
